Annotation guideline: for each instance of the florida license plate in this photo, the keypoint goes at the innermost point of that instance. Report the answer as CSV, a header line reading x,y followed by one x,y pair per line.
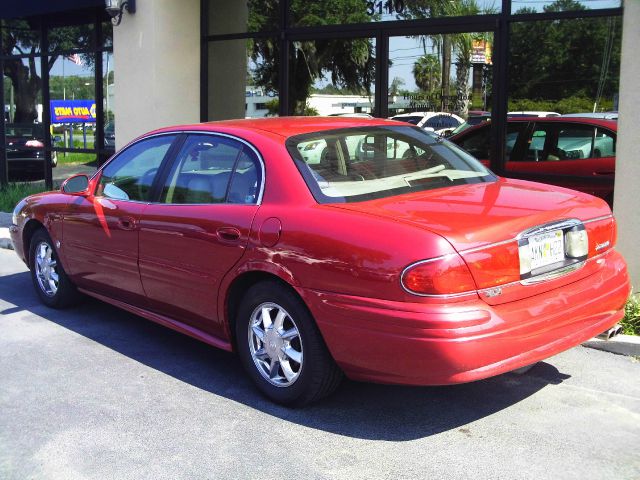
x,y
546,248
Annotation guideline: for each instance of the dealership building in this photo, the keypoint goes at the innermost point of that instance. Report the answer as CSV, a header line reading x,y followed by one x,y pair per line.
x,y
94,75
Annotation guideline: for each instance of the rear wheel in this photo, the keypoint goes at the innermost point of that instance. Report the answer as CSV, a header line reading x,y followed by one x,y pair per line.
x,y
49,278
281,348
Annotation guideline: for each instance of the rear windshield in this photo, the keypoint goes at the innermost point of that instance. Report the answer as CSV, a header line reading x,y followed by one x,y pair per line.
x,y
358,164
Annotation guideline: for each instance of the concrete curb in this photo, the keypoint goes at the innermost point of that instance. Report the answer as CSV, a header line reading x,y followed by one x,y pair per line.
x,y
620,344
5,239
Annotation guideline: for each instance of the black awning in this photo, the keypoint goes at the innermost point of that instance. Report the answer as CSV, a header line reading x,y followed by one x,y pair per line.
x,y
32,8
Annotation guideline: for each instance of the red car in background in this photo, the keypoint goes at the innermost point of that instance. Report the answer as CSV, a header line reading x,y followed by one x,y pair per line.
x,y
577,153
392,256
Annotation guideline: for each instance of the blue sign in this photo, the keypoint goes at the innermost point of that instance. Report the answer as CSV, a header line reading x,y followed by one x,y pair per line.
x,y
73,111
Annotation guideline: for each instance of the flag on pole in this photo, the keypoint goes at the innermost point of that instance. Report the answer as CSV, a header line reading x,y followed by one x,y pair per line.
x,y
75,58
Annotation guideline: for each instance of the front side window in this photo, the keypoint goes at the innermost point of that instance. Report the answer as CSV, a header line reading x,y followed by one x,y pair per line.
x,y
212,169
130,175
358,164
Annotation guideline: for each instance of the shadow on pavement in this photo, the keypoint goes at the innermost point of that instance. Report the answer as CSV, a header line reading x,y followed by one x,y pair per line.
x,y
356,410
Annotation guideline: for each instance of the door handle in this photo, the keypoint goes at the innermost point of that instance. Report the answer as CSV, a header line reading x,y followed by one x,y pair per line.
x,y
127,223
228,234
604,173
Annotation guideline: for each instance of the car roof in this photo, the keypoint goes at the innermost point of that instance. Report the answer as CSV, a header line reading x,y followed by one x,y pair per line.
x,y
285,126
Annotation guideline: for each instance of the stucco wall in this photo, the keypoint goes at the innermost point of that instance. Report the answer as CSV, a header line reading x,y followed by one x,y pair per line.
x,y
627,190
157,67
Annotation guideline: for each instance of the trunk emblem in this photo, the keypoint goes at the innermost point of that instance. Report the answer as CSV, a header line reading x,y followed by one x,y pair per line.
x,y
602,245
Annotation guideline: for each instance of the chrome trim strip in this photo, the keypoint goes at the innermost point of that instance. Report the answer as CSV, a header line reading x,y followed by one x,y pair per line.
x,y
504,242
553,274
597,219
547,227
488,245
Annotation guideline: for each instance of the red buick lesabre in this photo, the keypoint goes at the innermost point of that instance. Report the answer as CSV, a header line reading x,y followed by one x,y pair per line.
x,y
320,246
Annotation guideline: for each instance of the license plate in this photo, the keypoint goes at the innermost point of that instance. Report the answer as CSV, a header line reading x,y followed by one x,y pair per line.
x,y
546,249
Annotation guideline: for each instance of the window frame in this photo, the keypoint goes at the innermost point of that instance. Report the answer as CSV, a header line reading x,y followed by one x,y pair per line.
x,y
153,190
165,171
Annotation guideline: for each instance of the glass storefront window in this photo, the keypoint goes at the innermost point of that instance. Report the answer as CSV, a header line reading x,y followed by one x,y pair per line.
x,y
243,79
306,13
73,113
76,37
19,39
440,81
24,131
540,6
332,77
551,70
72,95
108,88
243,16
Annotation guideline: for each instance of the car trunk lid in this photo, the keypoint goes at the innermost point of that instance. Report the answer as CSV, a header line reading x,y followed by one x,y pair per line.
x,y
483,222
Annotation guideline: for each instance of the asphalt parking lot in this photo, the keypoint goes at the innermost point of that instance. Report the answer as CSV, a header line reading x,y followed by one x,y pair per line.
x,y
93,392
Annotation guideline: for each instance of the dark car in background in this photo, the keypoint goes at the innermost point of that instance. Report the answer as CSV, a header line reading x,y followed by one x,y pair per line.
x,y
572,152
110,135
25,151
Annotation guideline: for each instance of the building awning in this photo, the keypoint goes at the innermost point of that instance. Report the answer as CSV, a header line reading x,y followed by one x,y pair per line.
x,y
32,8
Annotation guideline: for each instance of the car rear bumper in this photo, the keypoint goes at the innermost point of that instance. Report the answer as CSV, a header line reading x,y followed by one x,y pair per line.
x,y
436,344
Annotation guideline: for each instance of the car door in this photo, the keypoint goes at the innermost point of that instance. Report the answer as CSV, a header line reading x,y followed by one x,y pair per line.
x,y
198,227
101,230
568,154
478,141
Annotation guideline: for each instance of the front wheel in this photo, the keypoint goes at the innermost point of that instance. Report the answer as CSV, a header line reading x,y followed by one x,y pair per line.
x,y
281,348
49,278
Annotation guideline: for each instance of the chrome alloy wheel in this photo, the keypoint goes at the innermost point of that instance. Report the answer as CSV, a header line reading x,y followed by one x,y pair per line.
x,y
46,272
275,344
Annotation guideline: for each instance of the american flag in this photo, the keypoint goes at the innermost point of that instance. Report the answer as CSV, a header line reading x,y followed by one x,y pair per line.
x,y
75,58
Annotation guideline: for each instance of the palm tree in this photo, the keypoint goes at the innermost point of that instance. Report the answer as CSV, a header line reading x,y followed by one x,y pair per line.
x,y
427,73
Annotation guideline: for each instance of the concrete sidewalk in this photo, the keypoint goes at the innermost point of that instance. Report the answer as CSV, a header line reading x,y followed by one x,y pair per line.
x,y
5,221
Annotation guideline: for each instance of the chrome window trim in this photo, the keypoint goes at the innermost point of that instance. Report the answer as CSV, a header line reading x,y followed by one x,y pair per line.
x,y
258,201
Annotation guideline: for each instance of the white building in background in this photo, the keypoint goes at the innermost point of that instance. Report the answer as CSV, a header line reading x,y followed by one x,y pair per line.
x,y
256,103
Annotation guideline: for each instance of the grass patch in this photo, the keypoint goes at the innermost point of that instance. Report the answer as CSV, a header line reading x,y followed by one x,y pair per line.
x,y
76,158
631,321
12,193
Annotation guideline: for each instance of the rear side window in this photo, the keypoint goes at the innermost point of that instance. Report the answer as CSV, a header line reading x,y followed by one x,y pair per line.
x,y
211,169
560,141
130,175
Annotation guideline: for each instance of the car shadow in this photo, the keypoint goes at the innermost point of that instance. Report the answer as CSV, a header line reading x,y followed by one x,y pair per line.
x,y
359,410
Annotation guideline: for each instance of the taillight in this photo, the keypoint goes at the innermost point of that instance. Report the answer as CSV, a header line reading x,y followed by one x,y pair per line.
x,y
602,235
447,275
34,144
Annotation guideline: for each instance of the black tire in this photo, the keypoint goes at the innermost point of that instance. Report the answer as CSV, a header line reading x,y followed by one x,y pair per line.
x,y
65,293
317,373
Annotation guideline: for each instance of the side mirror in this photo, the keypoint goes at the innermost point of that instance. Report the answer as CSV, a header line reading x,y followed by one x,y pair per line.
x,y
75,185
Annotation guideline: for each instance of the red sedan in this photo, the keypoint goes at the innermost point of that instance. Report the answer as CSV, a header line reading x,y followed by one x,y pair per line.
x,y
571,152
320,246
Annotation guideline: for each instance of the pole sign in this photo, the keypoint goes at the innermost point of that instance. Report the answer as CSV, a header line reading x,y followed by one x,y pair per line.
x,y
73,111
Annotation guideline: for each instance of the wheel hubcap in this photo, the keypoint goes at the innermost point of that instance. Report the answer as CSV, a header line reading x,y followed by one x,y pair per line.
x,y
46,269
275,344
